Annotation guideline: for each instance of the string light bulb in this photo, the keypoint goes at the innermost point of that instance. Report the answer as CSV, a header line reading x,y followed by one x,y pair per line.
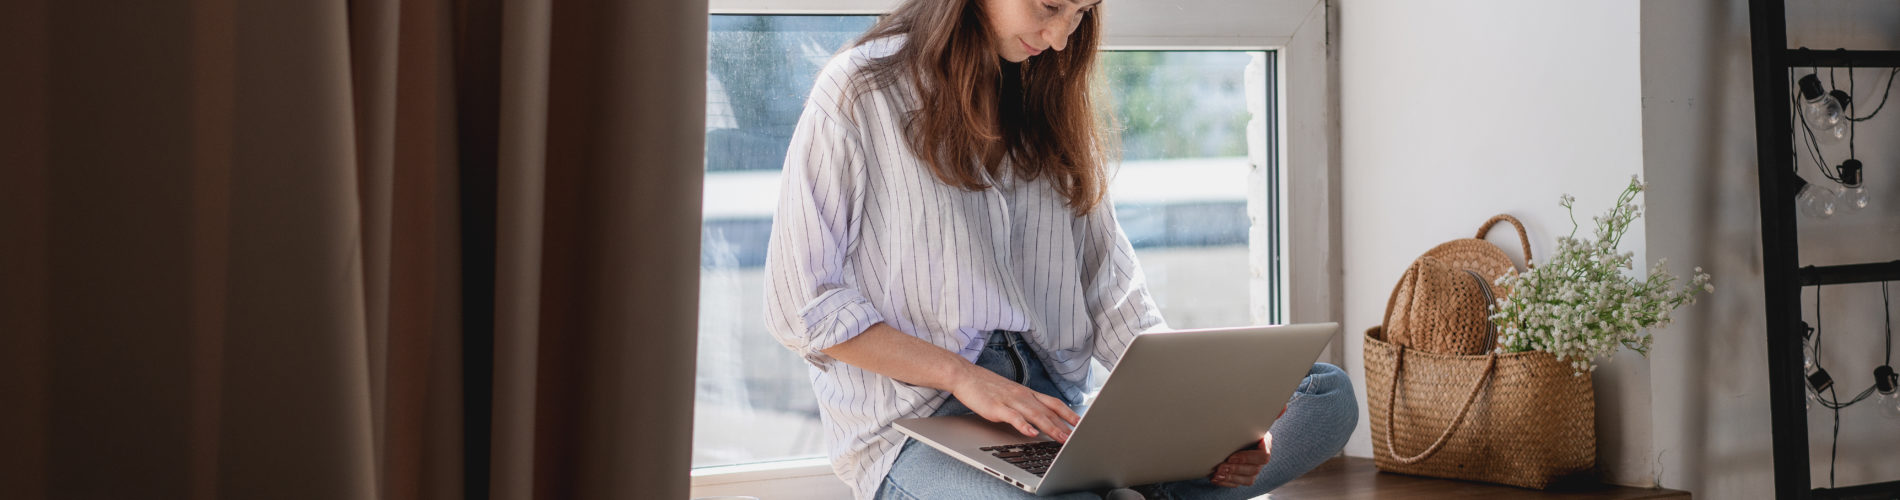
x,y
1889,387
1819,201
1807,347
1853,196
1825,111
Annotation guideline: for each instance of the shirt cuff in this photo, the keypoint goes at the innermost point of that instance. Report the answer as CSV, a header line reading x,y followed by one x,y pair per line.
x,y
973,346
834,317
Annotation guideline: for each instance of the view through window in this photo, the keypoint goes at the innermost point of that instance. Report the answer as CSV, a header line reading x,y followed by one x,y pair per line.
x,y
1180,192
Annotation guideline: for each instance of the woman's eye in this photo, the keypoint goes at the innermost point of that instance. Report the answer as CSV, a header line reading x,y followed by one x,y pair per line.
x,y
1051,8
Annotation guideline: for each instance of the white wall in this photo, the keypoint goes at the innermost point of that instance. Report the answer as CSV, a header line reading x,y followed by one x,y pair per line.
x,y
1711,418
1453,111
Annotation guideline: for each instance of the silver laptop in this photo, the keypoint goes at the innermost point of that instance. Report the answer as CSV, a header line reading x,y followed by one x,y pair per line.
x,y
1177,404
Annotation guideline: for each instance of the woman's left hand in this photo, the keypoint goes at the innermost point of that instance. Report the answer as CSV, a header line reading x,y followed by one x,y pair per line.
x,y
1241,467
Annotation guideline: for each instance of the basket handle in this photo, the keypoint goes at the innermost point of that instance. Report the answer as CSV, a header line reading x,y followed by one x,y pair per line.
x,y
1392,397
1522,237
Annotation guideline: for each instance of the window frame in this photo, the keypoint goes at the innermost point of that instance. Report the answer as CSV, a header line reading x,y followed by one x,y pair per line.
x,y
1304,152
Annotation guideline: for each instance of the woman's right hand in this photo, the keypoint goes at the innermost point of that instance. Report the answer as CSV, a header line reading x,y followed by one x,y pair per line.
x,y
898,355
1002,400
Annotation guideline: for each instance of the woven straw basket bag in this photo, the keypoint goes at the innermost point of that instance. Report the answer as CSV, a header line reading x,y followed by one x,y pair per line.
x,y
1443,404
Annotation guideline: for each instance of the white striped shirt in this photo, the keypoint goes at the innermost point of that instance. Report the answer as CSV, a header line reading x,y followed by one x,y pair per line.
x,y
865,234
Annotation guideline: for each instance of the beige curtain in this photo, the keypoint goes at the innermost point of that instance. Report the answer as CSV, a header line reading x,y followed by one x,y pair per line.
x,y
349,249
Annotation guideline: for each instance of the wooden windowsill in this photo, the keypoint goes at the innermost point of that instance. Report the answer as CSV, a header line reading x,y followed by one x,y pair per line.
x,y
1353,478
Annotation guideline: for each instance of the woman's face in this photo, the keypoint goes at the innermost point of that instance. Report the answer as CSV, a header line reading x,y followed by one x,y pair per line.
x,y
1024,28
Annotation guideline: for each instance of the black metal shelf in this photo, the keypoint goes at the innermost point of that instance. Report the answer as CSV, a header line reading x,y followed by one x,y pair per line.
x,y
1782,274
1876,491
1842,58
1851,273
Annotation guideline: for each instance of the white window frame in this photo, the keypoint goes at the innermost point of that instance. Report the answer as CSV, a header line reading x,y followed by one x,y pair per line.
x,y
1302,33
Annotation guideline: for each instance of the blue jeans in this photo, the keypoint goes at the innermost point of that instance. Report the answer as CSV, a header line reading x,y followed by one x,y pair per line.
x,y
1319,418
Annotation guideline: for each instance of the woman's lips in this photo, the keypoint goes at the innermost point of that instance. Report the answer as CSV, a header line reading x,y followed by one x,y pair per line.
x,y
1027,47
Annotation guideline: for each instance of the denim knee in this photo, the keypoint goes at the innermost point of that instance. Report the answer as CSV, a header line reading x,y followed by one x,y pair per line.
x,y
1324,379
1329,390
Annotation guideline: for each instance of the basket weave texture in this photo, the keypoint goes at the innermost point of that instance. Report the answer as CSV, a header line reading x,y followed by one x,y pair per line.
x,y
1438,307
1530,422
1442,404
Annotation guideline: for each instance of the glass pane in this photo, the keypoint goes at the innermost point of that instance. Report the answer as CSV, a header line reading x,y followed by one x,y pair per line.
x,y
1181,193
755,402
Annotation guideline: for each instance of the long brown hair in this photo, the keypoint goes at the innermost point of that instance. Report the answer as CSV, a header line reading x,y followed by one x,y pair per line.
x,y
972,114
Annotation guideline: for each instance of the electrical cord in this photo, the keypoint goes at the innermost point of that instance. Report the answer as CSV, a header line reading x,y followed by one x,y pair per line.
x,y
1834,452
1820,160
1834,455
1813,145
1848,111
1883,94
1831,400
1825,403
1794,119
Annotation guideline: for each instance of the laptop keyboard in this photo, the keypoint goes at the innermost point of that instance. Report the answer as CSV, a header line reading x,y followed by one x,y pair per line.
x,y
1032,457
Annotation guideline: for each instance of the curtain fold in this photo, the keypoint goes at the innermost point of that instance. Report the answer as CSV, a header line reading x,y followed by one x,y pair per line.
x,y
373,57
24,314
415,249
620,255
520,196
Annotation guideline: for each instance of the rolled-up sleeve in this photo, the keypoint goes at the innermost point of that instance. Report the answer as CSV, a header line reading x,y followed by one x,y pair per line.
x,y
1113,288
810,303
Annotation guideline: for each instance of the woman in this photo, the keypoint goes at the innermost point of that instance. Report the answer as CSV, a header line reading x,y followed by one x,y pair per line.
x,y
943,246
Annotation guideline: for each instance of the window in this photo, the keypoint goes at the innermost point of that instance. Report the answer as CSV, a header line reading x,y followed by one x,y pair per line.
x,y
1180,192
1194,135
754,401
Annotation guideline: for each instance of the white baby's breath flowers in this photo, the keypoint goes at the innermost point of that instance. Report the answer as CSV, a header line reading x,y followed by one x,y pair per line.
x,y
1580,304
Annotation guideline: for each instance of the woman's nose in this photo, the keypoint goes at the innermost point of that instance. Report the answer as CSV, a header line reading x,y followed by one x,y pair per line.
x,y
1056,31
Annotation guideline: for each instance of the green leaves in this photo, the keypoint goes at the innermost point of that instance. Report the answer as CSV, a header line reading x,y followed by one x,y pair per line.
x,y
1585,303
